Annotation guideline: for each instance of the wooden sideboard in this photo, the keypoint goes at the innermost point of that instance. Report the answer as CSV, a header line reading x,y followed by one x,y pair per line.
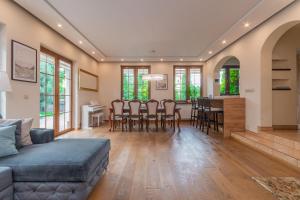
x,y
234,113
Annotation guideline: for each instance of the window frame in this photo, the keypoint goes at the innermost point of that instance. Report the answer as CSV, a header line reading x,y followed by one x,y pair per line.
x,y
187,68
227,79
135,75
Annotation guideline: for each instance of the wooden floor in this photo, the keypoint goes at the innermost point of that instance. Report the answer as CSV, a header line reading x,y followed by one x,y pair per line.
x,y
178,166
288,134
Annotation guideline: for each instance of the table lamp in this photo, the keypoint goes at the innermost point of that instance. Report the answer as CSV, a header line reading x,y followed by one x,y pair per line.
x,y
4,84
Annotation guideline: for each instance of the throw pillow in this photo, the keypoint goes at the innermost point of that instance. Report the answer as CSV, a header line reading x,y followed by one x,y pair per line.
x,y
11,122
7,141
25,131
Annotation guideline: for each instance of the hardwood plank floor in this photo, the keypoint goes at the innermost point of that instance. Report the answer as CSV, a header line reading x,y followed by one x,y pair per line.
x,y
185,165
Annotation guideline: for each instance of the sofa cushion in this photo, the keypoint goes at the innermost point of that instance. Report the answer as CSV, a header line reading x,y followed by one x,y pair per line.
x,y
61,160
7,141
5,177
25,131
12,122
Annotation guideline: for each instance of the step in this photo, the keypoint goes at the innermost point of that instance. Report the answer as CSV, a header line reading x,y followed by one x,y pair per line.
x,y
281,138
283,150
280,144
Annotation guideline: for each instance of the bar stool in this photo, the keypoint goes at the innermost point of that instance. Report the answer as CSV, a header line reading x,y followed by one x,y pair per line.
x,y
194,111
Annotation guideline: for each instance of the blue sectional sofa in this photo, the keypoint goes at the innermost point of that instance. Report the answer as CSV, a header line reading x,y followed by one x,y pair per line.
x,y
62,169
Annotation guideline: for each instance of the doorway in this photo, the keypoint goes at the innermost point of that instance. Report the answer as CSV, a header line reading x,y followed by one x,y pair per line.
x,y
55,92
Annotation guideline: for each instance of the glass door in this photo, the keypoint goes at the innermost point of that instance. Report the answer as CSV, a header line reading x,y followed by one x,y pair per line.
x,y
65,101
55,92
47,91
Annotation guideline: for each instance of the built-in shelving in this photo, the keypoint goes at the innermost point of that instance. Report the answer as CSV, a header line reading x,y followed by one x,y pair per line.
x,y
281,74
281,69
279,60
281,89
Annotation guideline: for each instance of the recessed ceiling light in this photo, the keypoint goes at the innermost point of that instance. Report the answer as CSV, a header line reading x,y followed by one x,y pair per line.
x,y
161,59
102,59
142,60
181,59
59,25
224,42
210,52
201,59
246,25
80,42
122,59
93,52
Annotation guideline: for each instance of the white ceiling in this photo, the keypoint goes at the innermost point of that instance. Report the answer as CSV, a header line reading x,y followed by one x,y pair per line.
x,y
133,29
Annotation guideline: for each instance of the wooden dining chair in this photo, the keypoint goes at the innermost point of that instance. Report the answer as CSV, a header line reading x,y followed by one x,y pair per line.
x,y
117,114
152,113
135,114
169,113
161,104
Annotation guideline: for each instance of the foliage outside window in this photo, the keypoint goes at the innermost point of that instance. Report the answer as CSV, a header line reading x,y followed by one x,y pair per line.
x,y
229,80
187,82
133,86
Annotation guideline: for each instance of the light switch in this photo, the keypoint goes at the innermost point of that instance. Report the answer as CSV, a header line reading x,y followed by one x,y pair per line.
x,y
250,90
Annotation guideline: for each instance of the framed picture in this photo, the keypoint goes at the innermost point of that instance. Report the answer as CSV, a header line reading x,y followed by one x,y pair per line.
x,y
24,62
88,81
163,84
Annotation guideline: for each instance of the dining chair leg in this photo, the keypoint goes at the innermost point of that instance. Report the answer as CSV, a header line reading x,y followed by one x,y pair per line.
x,y
147,125
174,124
156,124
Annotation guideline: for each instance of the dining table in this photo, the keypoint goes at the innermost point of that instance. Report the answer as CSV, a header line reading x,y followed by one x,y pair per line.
x,y
143,110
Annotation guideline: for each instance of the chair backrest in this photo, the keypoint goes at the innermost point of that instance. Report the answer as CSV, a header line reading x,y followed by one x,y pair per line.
x,y
117,106
152,107
162,102
207,104
169,106
126,103
134,107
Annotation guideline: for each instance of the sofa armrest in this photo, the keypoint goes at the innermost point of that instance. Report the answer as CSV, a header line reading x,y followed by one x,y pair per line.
x,y
41,135
5,182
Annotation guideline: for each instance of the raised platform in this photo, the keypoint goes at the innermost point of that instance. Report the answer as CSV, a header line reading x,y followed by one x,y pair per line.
x,y
283,145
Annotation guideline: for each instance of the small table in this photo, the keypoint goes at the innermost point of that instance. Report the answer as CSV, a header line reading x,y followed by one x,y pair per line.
x,y
143,109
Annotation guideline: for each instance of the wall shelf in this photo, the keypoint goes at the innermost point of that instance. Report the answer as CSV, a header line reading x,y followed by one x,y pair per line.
x,y
281,69
281,89
279,59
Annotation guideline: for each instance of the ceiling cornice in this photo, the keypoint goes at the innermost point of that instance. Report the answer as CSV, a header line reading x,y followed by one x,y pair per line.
x,y
255,17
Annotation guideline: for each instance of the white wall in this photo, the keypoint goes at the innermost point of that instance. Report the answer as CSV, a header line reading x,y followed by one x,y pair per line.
x,y
255,74
23,27
110,82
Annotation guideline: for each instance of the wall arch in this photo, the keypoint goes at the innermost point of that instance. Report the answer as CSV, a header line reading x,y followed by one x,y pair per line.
x,y
266,70
215,73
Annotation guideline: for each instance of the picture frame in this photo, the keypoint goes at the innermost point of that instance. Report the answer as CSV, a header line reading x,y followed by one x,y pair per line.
x,y
162,84
88,81
23,62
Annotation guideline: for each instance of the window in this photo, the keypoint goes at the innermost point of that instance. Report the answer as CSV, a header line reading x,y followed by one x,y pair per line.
x,y
133,86
187,82
55,92
229,80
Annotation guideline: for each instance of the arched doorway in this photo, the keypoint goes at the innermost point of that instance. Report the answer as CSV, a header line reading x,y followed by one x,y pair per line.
x,y
226,77
280,78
